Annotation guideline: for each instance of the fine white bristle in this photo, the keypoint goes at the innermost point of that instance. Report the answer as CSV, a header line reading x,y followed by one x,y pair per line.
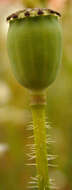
x,y
30,137
31,164
31,155
52,157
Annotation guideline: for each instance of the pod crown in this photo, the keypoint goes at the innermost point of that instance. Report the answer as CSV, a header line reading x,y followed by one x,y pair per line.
x,y
28,12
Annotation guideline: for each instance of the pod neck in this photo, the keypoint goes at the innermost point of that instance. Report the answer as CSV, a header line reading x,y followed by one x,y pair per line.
x,y
38,98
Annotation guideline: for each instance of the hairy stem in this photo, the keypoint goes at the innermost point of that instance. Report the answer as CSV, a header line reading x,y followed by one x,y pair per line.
x,y
38,112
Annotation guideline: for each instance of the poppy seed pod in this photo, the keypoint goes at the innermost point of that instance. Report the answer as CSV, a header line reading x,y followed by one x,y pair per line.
x,y
35,46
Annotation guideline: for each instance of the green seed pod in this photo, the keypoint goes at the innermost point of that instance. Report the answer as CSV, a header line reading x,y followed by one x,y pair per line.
x,y
35,50
35,46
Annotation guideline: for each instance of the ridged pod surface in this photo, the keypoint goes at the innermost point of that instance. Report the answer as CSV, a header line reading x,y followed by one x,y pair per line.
x,y
35,46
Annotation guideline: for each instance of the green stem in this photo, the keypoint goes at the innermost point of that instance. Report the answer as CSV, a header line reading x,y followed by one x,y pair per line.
x,y
38,112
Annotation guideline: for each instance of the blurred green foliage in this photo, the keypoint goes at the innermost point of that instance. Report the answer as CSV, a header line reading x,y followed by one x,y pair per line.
x,y
36,3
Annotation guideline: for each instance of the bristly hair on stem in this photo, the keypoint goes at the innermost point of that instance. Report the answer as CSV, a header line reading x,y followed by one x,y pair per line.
x,y
38,112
